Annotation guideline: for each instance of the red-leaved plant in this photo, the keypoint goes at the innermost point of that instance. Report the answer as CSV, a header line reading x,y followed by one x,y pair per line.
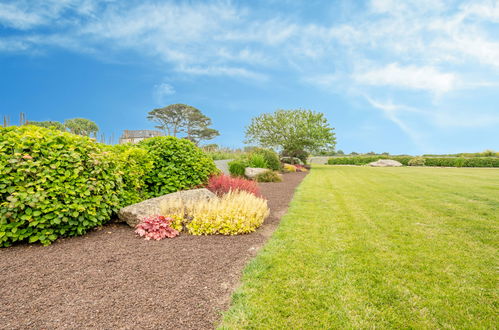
x,y
222,184
156,227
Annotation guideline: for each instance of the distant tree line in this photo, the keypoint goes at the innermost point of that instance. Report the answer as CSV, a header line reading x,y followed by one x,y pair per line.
x,y
79,126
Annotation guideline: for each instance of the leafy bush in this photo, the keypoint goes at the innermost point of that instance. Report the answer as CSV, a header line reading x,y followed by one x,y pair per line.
x,y
156,227
237,167
271,158
416,161
133,164
237,212
300,154
268,176
289,168
257,160
222,184
53,184
177,164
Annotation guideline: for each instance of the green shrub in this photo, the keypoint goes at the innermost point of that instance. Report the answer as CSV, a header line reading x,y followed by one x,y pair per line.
x,y
177,164
300,154
462,162
133,164
257,160
269,176
271,158
417,161
53,184
237,167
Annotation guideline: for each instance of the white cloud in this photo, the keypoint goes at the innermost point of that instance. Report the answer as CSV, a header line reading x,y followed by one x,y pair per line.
x,y
162,91
16,17
221,71
409,77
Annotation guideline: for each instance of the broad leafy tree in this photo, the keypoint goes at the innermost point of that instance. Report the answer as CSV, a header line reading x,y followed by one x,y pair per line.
x,y
183,119
293,132
81,126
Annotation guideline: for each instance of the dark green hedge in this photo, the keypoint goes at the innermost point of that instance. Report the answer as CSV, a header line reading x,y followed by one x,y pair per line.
x,y
363,160
428,161
462,162
55,184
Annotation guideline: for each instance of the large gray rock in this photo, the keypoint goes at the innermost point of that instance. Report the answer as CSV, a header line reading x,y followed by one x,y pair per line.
x,y
385,163
134,213
252,172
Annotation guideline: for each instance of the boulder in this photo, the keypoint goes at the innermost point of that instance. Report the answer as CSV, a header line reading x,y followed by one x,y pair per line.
x,y
291,160
252,172
385,163
134,213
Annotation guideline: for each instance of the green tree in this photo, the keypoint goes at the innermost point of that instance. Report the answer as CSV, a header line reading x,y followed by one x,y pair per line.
x,y
182,118
294,132
48,124
82,126
197,126
340,152
171,119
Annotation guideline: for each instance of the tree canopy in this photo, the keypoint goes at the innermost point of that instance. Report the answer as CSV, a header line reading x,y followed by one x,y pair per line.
x,y
292,131
177,119
48,124
81,126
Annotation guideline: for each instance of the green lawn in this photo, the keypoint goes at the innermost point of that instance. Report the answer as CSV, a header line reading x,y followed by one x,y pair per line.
x,y
368,247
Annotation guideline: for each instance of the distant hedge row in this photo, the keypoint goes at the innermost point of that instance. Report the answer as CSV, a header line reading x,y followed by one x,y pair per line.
x,y
55,184
427,161
363,160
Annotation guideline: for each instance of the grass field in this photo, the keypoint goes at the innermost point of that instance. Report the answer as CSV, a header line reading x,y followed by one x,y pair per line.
x,y
368,247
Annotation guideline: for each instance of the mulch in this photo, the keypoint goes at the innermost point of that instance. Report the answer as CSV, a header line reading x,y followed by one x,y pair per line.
x,y
110,278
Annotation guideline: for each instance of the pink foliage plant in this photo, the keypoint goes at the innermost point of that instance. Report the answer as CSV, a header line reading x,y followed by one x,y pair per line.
x,y
222,184
156,227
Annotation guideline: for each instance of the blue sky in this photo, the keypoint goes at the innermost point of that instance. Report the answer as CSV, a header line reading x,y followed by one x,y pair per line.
x,y
414,76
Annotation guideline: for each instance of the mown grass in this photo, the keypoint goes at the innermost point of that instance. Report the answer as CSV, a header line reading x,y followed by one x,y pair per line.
x,y
379,248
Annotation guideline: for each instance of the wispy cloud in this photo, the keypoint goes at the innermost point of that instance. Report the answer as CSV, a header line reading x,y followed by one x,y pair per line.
x,y
425,78
162,91
391,48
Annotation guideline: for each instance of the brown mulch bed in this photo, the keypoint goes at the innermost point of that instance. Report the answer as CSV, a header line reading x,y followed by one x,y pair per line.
x,y
110,278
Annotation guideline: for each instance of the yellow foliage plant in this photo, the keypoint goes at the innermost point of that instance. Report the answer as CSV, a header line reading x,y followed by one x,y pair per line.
x,y
237,212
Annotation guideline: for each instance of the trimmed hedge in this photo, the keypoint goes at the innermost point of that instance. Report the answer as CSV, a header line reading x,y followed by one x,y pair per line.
x,y
55,184
463,162
427,161
364,160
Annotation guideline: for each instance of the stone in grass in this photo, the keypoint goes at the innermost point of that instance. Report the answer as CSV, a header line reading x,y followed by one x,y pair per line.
x,y
385,163
134,213
252,172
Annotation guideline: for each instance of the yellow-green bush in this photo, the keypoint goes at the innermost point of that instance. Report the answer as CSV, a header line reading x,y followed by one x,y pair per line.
x,y
53,184
237,212
289,168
